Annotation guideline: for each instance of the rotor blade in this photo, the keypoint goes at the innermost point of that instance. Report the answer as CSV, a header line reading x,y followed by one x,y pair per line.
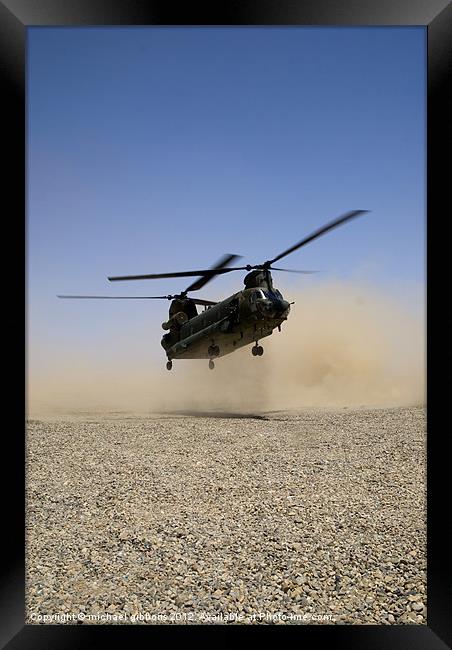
x,y
274,268
198,301
121,297
215,270
155,276
180,274
318,233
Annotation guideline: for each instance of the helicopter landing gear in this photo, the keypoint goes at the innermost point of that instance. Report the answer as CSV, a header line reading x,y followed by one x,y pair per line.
x,y
213,350
169,365
257,350
211,364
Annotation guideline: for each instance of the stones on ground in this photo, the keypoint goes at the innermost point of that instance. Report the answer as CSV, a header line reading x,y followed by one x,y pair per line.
x,y
324,514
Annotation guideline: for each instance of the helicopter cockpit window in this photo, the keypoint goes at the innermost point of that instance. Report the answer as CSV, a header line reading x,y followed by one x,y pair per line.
x,y
274,293
257,294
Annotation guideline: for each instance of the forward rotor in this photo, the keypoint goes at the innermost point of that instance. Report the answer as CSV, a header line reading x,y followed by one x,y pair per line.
x,y
206,275
222,266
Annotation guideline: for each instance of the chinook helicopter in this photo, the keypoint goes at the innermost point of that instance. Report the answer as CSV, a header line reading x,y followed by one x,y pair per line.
x,y
222,327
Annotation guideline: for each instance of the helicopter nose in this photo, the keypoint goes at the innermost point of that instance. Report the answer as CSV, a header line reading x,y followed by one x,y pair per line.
x,y
276,308
283,306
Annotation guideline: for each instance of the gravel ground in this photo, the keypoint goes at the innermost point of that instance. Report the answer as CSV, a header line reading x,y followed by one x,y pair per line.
x,y
314,517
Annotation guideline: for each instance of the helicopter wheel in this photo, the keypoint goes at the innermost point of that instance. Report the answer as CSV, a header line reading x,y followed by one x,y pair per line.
x,y
259,350
169,365
211,364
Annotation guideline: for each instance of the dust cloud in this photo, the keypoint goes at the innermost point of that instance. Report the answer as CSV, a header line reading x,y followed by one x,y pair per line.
x,y
343,345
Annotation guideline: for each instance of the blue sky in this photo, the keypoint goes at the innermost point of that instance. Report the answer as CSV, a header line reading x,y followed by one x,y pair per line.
x,y
156,149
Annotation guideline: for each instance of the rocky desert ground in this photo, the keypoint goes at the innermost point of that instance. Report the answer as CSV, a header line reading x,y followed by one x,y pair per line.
x,y
310,517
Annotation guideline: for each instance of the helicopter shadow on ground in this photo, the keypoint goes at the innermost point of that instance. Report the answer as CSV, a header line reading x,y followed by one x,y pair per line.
x,y
217,414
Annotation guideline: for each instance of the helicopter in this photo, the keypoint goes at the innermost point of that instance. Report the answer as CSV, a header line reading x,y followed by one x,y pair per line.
x,y
222,327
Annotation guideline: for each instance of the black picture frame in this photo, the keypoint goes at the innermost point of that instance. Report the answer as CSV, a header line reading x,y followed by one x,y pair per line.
x,y
15,18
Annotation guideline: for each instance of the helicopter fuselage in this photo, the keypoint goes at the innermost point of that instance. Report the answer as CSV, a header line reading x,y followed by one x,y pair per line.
x,y
243,318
